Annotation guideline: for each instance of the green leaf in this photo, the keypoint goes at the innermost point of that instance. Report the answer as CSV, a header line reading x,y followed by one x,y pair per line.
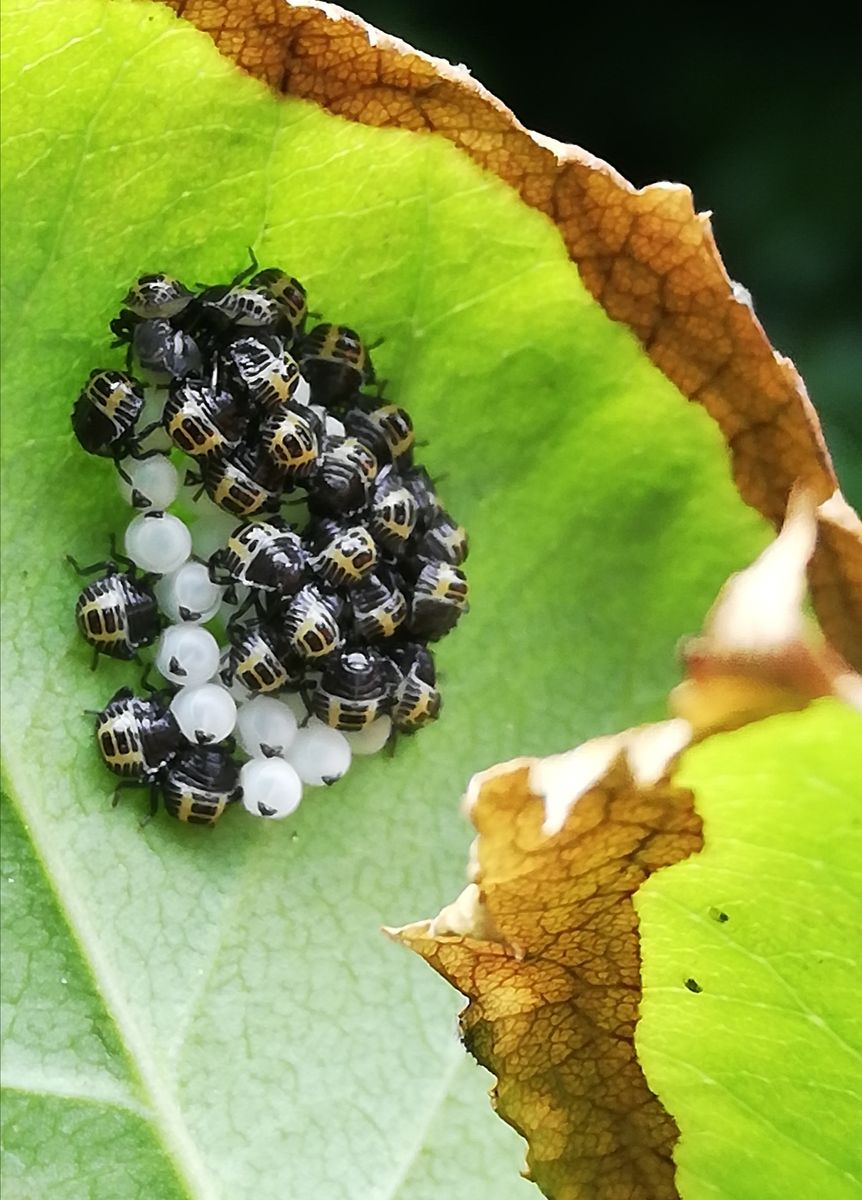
x,y
761,1068
236,1020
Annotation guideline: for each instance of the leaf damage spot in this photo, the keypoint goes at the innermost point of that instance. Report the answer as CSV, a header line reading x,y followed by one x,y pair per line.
x,y
758,654
544,942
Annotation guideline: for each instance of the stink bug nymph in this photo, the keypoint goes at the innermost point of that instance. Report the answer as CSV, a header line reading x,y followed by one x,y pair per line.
x,y
417,700
265,369
347,558
291,437
355,688
444,540
335,362
289,295
265,555
439,599
387,430
117,613
201,420
137,737
157,295
310,623
164,350
393,513
254,661
378,609
245,483
199,784
106,412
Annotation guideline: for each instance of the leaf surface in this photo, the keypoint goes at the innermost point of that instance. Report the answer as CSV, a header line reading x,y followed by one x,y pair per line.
x,y
765,1060
234,1008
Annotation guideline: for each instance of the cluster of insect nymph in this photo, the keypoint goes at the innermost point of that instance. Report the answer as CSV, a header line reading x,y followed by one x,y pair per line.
x,y
292,613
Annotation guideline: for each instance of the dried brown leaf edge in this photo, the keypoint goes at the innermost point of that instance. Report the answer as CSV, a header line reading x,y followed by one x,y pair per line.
x,y
544,940
645,254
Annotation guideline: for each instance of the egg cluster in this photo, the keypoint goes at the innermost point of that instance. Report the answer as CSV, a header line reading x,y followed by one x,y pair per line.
x,y
294,611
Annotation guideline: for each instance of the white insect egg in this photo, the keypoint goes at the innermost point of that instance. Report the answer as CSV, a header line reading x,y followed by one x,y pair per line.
x,y
266,728
206,713
296,704
154,403
189,594
302,395
372,738
187,655
158,542
237,688
320,754
211,530
270,788
154,482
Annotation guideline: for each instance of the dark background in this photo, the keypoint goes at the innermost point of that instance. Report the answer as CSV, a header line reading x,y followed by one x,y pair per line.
x,y
762,121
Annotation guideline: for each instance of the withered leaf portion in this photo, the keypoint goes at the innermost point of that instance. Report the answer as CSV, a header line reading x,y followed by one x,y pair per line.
x,y
545,944
758,654
646,255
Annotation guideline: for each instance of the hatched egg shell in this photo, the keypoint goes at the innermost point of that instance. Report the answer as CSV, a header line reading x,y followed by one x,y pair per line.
x,y
320,755
266,728
296,704
154,404
206,713
187,655
158,542
372,738
155,482
189,594
270,788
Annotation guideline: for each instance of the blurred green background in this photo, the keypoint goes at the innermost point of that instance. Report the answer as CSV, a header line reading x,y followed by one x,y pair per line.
x,y
762,120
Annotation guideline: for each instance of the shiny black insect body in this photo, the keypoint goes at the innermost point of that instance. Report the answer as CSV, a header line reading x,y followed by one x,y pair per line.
x,y
256,663
379,609
199,784
346,558
265,555
137,736
204,421
117,613
393,514
356,687
289,295
263,368
344,478
443,540
335,362
292,437
106,413
310,623
386,429
439,600
417,700
245,483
